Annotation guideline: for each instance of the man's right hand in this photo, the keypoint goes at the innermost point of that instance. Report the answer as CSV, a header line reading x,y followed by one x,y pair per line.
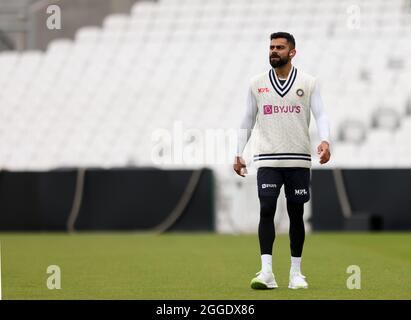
x,y
239,166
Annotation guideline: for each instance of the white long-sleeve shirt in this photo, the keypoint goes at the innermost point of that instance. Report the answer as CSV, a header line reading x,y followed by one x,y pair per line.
x,y
249,117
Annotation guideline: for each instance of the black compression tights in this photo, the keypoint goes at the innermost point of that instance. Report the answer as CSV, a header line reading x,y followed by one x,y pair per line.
x,y
266,230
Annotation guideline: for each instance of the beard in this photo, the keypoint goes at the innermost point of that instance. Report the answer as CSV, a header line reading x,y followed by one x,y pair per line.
x,y
279,62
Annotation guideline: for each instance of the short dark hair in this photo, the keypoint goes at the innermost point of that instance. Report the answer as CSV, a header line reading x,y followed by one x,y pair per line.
x,y
285,35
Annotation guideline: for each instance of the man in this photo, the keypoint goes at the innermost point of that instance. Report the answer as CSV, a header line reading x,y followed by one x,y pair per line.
x,y
278,108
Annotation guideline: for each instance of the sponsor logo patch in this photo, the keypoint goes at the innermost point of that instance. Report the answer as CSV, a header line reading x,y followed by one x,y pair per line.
x,y
300,192
268,185
268,109
286,109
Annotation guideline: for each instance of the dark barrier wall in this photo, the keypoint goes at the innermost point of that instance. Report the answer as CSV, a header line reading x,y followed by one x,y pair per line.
x,y
140,199
383,193
117,199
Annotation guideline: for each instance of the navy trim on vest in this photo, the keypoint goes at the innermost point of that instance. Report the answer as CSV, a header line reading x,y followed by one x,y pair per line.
x,y
285,158
282,89
282,156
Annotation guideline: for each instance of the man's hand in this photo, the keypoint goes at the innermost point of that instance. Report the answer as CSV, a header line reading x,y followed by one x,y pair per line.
x,y
239,166
323,150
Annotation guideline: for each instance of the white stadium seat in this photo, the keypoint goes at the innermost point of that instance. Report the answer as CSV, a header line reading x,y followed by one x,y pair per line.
x,y
88,34
190,61
118,22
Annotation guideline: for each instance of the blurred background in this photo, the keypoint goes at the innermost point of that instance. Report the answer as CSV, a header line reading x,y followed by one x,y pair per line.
x,y
122,114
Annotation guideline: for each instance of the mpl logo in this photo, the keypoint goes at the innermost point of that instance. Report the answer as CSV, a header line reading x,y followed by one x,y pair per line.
x,y
261,90
300,192
268,109
268,185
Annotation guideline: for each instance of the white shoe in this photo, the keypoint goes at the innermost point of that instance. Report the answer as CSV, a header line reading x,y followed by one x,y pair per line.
x,y
297,281
264,280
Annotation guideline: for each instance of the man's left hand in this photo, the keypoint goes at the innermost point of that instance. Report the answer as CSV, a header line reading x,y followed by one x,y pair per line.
x,y
323,150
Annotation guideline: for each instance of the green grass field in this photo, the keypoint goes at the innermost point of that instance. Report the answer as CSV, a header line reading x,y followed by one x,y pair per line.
x,y
200,266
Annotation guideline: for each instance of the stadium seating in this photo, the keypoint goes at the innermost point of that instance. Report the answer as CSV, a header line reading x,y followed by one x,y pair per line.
x,y
100,99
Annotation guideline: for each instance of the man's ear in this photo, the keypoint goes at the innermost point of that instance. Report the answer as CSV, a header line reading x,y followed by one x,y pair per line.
x,y
292,53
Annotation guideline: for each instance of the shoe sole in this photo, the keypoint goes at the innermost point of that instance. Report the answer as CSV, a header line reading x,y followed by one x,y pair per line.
x,y
297,287
259,285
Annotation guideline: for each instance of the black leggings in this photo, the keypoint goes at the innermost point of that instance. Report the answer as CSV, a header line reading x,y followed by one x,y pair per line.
x,y
266,229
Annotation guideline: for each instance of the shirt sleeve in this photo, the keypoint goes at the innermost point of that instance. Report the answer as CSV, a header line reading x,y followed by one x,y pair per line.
x,y
247,122
317,108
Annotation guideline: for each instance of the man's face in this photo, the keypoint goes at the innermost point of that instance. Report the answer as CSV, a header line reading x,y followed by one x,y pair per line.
x,y
280,52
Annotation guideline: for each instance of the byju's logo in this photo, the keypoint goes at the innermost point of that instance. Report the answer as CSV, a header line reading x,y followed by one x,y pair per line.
x,y
268,109
268,185
300,192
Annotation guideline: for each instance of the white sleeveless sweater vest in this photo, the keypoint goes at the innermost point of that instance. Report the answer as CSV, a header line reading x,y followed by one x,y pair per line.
x,y
281,132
